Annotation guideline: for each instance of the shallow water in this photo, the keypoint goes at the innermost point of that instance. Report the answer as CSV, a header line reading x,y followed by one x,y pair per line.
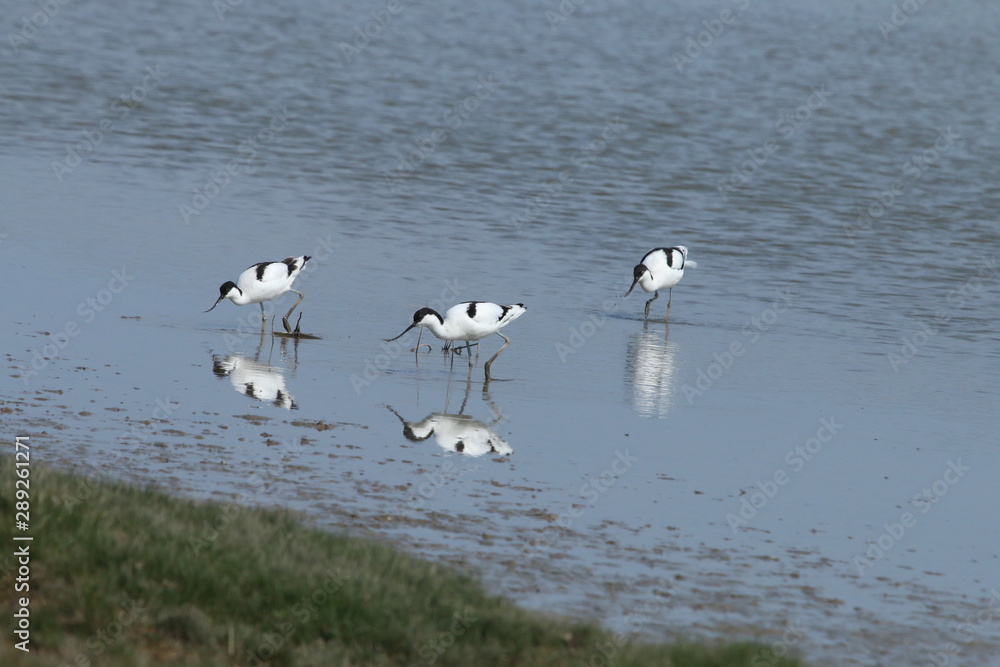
x,y
824,370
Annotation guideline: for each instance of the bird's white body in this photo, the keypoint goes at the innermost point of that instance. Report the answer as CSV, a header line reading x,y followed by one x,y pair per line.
x,y
665,268
660,268
265,281
470,320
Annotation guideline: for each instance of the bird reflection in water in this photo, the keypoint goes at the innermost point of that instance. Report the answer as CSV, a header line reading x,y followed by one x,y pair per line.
x,y
651,369
458,432
256,379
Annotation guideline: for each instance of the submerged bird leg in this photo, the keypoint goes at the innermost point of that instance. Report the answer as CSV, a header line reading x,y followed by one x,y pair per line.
x,y
656,295
284,320
468,345
490,362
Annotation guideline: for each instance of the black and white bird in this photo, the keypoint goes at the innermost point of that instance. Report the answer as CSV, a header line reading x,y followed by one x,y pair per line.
x,y
263,282
468,321
661,268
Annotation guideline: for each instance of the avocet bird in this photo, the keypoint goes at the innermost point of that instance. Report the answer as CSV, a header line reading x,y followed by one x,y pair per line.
x,y
661,268
263,282
468,321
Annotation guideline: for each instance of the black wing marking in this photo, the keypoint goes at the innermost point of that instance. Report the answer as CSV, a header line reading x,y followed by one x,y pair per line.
x,y
471,310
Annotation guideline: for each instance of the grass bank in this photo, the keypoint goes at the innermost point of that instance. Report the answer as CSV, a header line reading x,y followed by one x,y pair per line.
x,y
121,575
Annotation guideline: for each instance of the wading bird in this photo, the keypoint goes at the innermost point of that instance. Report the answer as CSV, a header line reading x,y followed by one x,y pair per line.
x,y
661,268
263,282
468,321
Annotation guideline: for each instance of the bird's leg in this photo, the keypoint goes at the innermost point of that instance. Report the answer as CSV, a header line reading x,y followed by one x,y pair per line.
x,y
284,320
468,345
298,331
670,299
263,316
656,295
490,362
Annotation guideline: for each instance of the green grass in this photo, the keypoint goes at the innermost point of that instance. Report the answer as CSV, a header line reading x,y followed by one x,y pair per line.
x,y
128,576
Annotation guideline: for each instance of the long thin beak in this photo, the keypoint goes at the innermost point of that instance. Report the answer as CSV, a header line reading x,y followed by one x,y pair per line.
x,y
215,304
632,287
389,340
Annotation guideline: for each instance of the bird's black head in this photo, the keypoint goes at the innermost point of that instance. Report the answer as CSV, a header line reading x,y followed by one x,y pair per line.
x,y
226,288
419,316
224,291
638,272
